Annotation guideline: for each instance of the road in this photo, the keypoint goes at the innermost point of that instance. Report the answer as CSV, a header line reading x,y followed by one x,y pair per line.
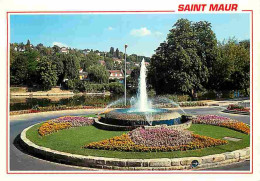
x,y
21,161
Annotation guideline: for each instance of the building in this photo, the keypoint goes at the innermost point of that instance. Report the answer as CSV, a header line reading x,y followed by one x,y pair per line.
x,y
116,75
83,75
86,51
128,73
102,62
64,50
117,60
147,64
137,64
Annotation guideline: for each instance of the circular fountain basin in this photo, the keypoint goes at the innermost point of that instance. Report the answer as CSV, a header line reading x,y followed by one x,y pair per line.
x,y
133,118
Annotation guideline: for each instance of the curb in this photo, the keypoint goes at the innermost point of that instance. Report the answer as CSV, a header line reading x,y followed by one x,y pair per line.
x,y
186,163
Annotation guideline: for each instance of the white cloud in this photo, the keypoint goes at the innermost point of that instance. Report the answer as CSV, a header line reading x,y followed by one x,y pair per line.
x,y
59,44
110,28
140,32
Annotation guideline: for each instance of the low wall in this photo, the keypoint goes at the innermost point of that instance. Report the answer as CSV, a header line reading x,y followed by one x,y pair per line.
x,y
135,164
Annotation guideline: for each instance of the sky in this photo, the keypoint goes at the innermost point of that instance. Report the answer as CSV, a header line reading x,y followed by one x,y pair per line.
x,y
143,33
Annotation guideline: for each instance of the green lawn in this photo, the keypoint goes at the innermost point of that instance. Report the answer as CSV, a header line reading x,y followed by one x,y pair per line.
x,y
72,140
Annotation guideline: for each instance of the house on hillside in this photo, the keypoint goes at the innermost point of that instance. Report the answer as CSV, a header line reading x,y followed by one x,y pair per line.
x,y
117,60
102,62
64,50
116,75
146,64
128,73
86,51
83,75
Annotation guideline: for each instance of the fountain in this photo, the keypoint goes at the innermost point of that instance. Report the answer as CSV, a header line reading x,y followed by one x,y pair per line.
x,y
141,113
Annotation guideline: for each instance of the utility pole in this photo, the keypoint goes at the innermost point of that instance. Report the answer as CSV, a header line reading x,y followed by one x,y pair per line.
x,y
125,74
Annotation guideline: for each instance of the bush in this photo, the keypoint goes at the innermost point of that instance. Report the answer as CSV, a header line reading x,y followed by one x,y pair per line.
x,y
116,87
178,98
227,94
207,95
95,87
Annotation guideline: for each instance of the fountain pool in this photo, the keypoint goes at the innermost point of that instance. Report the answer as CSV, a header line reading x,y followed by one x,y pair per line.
x,y
142,111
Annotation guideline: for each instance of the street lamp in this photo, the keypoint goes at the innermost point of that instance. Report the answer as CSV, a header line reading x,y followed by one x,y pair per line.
x,y
125,74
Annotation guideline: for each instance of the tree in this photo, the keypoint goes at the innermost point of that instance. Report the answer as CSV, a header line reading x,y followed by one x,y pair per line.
x,y
56,49
89,60
32,59
206,47
178,65
109,63
111,51
98,74
71,66
57,61
47,72
238,57
117,53
19,71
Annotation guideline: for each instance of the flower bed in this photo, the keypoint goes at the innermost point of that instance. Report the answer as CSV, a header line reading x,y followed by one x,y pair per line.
x,y
65,122
235,107
51,108
222,121
157,139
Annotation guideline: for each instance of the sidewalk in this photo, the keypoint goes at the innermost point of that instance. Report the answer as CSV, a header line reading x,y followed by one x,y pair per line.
x,y
223,103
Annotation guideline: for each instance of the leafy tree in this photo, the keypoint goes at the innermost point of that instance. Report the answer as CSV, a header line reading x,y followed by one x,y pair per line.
x,y
98,74
58,62
47,72
111,51
71,66
116,87
32,58
13,54
109,63
178,66
236,57
19,71
28,45
56,49
117,53
89,60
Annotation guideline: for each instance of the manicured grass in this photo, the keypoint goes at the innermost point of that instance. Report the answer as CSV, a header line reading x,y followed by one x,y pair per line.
x,y
72,141
90,115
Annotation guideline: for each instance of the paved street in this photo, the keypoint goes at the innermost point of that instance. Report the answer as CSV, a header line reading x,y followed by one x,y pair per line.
x,y
20,161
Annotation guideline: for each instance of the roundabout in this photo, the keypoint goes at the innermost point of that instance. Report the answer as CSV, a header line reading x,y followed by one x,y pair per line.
x,y
46,149
20,160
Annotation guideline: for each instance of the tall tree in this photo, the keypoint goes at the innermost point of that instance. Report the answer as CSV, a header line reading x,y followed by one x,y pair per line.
x,y
71,66
19,70
47,72
178,66
28,45
117,53
111,51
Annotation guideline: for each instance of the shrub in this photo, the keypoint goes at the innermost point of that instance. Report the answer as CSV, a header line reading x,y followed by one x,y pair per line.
x,y
116,87
236,107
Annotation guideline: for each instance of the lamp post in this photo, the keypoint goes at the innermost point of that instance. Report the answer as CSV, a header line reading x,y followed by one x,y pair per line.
x,y
125,74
